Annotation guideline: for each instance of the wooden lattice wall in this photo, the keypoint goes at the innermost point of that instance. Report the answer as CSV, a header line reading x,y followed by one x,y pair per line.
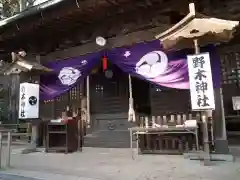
x,y
53,108
230,72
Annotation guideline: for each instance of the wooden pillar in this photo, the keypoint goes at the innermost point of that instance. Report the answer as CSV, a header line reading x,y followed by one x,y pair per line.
x,y
23,5
6,97
35,125
13,98
26,77
219,124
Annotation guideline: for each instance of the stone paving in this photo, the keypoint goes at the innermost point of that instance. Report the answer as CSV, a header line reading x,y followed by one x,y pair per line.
x,y
117,164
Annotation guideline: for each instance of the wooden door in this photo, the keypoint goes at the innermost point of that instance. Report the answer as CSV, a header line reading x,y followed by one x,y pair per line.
x,y
109,105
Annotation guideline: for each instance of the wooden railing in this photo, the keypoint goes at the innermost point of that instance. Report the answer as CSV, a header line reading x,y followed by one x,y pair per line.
x,y
22,128
6,142
167,144
170,143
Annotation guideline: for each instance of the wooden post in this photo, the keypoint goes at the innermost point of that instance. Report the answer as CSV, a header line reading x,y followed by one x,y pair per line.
x,y
80,129
9,152
22,4
219,123
34,133
196,46
224,131
131,142
29,132
206,140
0,150
204,120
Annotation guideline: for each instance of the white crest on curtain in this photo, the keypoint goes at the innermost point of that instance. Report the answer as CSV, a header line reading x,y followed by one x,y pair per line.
x,y
127,54
69,75
152,64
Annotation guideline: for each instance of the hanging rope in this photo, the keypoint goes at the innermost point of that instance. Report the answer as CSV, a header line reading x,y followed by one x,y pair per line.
x,y
131,112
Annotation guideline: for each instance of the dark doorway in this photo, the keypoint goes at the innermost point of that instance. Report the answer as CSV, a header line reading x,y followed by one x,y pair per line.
x,y
141,95
109,108
109,91
109,103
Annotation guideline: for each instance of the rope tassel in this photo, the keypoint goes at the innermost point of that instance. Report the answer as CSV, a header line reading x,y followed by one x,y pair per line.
x,y
131,112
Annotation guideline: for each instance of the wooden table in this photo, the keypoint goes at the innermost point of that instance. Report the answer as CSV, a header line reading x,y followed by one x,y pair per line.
x,y
160,131
62,136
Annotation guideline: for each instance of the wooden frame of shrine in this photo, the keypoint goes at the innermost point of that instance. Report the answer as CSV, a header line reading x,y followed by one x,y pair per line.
x,y
69,30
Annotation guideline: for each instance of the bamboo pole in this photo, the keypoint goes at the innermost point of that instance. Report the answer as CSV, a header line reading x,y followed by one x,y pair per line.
x,y
88,102
131,112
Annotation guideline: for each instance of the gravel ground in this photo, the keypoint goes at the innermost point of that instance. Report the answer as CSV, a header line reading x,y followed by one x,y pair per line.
x,y
117,164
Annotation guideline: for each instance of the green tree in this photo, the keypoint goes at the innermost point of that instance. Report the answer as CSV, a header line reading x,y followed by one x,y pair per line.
x,y
9,8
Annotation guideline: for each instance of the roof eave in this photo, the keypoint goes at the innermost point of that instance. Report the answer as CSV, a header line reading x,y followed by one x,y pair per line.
x,y
31,11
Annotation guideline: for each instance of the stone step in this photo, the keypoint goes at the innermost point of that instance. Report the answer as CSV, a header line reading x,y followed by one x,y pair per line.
x,y
108,139
111,138
107,144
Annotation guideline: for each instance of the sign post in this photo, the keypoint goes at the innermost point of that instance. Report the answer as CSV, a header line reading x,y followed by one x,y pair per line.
x,y
29,108
28,101
202,92
200,79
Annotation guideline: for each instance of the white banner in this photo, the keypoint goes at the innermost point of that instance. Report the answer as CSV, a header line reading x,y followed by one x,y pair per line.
x,y
200,79
28,101
236,103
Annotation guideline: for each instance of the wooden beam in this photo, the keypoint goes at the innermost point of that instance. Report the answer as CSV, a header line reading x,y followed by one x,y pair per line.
x,y
129,19
82,13
113,2
119,41
73,27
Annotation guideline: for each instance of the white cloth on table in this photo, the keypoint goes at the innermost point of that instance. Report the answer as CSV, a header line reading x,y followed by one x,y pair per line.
x,y
190,123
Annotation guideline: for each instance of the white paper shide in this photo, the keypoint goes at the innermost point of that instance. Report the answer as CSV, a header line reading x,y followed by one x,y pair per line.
x,y
200,79
28,101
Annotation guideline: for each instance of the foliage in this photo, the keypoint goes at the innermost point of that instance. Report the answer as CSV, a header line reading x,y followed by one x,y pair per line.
x,y
9,8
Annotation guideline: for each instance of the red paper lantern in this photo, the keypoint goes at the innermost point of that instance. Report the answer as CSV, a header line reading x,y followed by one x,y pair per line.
x,y
104,62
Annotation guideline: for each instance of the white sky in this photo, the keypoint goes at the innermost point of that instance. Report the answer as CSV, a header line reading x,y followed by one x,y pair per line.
x,y
39,2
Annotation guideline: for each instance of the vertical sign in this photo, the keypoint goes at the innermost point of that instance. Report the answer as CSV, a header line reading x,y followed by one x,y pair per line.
x,y
236,103
22,102
28,101
200,79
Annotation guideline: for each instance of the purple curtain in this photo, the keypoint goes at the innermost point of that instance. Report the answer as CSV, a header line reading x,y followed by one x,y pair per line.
x,y
66,73
147,61
150,62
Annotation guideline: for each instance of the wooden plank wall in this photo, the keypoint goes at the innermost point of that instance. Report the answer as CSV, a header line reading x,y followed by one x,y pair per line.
x,y
167,101
230,72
